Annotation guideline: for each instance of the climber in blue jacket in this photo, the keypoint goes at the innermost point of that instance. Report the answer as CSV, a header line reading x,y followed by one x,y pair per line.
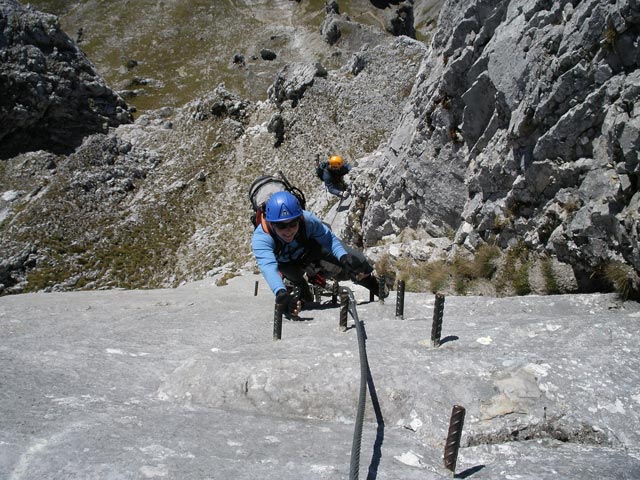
x,y
289,238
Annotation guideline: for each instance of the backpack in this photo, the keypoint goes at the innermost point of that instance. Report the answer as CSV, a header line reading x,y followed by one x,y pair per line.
x,y
320,167
261,190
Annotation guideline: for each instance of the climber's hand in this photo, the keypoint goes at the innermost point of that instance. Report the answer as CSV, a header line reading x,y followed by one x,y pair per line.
x,y
291,304
352,267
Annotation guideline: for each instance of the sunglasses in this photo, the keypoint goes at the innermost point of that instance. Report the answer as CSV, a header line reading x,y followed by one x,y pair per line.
x,y
286,225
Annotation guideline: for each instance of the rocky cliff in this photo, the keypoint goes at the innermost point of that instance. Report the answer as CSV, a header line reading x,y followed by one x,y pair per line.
x,y
522,128
52,97
512,125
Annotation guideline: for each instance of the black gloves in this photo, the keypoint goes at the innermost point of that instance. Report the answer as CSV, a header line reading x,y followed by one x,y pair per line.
x,y
349,265
290,302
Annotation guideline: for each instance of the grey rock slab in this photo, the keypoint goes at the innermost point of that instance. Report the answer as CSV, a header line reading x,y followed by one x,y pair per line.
x,y
188,383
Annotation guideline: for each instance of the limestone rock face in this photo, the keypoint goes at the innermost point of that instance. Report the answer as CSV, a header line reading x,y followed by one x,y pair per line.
x,y
292,81
522,127
52,96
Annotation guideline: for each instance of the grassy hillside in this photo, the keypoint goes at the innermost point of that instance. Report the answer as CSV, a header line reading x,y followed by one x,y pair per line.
x,y
166,53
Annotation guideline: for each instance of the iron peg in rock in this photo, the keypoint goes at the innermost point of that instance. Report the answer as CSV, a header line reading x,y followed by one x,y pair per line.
x,y
381,287
453,438
255,290
400,300
277,321
344,310
438,312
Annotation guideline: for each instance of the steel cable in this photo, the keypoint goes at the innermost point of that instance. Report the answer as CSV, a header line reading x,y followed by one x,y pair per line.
x,y
354,468
336,214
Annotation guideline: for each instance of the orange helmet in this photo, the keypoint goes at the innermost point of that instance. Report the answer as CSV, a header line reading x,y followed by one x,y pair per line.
x,y
335,162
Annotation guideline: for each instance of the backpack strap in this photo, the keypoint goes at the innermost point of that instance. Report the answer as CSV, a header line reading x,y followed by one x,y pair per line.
x,y
265,225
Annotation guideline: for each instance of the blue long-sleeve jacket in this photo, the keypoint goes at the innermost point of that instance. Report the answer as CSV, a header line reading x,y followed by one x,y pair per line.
x,y
264,246
329,178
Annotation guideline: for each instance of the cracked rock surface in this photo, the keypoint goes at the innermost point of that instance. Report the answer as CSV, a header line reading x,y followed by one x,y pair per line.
x,y
188,383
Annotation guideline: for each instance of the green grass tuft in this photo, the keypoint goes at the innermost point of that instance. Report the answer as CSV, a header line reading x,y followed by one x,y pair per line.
x,y
621,277
550,282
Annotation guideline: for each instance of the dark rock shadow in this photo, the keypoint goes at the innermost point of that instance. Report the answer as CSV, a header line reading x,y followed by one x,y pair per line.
x,y
300,319
382,4
376,456
469,471
377,446
320,306
450,338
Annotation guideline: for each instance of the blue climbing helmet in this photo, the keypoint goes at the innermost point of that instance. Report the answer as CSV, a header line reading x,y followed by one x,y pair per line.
x,y
282,206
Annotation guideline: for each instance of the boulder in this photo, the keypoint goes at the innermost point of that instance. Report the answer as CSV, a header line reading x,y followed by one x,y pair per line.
x,y
293,80
52,96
